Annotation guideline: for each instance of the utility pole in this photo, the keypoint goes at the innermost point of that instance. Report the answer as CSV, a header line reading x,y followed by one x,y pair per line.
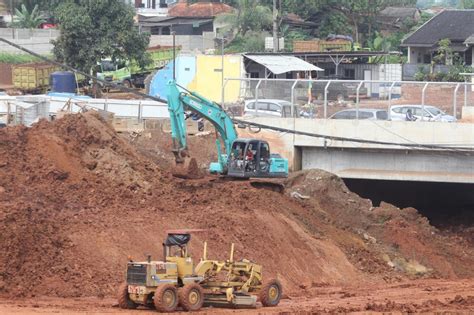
x,y
11,16
275,27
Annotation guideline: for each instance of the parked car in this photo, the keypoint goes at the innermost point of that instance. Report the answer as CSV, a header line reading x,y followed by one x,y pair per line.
x,y
430,113
269,108
364,113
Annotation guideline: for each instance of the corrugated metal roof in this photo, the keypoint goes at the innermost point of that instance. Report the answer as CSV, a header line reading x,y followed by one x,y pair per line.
x,y
278,64
457,25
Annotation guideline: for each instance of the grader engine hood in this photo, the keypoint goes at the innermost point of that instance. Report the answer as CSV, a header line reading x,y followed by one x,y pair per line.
x,y
151,273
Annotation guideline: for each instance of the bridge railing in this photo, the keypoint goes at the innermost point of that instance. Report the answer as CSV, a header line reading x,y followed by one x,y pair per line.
x,y
323,98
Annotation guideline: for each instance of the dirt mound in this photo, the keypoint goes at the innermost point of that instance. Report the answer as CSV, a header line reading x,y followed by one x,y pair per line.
x,y
400,239
77,199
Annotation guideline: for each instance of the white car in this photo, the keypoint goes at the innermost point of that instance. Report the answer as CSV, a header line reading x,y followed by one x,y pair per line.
x,y
269,108
430,113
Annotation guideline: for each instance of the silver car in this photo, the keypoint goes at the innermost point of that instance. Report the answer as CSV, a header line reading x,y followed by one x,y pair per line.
x,y
364,113
430,113
269,108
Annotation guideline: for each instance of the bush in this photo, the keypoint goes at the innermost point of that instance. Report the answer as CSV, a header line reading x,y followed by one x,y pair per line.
x,y
17,58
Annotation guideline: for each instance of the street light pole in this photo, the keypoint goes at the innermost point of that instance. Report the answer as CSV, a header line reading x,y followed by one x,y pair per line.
x,y
222,71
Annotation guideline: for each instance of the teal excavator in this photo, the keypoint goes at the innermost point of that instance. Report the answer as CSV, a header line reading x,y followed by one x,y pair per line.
x,y
237,158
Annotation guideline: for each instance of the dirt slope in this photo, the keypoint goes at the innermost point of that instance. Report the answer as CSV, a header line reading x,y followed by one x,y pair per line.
x,y
76,199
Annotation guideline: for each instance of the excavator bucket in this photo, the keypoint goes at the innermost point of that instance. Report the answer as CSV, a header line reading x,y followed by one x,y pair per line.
x,y
188,168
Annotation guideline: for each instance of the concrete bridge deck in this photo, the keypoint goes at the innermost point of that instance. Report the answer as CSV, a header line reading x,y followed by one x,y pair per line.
x,y
435,152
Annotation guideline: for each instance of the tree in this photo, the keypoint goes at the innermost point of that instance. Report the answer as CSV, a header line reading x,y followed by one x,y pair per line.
x,y
27,19
466,4
92,30
250,15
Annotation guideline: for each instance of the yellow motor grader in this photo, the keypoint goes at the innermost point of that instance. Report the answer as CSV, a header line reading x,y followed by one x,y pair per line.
x,y
165,285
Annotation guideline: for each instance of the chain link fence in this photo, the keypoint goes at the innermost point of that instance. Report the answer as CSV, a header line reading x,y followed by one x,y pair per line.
x,y
358,99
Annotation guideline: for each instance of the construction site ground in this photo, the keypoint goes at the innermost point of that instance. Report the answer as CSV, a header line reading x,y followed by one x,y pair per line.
x,y
76,199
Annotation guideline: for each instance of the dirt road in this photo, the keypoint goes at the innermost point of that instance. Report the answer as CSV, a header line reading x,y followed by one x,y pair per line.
x,y
415,296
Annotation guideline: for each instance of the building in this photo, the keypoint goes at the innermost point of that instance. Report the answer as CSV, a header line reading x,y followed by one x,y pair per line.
x,y
151,7
393,19
185,19
455,25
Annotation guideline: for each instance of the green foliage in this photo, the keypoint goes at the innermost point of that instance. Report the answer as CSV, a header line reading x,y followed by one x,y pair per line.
x,y
466,4
16,58
250,15
27,19
444,52
92,30
421,74
252,42
334,23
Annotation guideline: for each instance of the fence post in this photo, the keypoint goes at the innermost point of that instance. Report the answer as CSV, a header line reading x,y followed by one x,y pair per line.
x,y
256,97
423,92
390,99
293,98
455,100
326,99
358,99
140,111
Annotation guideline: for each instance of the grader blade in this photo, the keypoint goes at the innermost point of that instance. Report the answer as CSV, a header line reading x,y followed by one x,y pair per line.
x,y
238,301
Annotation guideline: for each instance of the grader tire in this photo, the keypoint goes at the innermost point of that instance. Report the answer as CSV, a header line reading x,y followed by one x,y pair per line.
x,y
166,298
191,297
124,299
271,292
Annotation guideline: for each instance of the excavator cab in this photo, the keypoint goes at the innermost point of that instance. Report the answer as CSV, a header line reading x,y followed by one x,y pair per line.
x,y
252,158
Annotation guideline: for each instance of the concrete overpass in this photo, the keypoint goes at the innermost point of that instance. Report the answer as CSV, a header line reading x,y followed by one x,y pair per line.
x,y
451,162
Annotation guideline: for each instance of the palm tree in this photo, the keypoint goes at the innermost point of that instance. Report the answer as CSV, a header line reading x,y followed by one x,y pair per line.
x,y
249,15
25,19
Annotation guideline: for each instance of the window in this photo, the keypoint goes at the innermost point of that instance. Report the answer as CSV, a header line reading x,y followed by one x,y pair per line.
x,y
264,151
254,75
397,110
262,106
329,71
418,111
382,115
274,107
349,74
344,115
364,115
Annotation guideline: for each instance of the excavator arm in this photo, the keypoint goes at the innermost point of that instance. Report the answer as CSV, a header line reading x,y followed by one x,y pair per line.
x,y
178,103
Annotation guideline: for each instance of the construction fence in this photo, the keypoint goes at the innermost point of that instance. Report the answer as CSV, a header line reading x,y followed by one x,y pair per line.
x,y
323,98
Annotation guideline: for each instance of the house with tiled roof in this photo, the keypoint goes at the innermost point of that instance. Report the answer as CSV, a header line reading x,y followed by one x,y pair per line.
x,y
455,25
186,18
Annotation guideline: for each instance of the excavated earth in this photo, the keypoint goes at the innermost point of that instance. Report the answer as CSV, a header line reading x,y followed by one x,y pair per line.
x,y
76,199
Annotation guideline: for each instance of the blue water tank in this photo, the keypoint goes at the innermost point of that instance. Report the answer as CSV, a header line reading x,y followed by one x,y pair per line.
x,y
63,82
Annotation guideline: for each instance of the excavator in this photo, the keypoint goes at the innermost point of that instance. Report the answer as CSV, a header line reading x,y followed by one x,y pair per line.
x,y
237,157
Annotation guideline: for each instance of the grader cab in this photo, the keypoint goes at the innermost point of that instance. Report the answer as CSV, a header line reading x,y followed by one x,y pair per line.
x,y
175,281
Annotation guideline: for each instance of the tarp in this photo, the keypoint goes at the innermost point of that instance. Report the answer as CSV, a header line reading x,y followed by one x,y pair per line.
x,y
279,64
177,239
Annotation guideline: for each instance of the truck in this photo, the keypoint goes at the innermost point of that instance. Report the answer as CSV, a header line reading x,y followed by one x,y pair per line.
x,y
129,73
32,77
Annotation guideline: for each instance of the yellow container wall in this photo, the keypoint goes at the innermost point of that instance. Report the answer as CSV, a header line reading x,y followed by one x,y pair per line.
x,y
208,80
31,77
